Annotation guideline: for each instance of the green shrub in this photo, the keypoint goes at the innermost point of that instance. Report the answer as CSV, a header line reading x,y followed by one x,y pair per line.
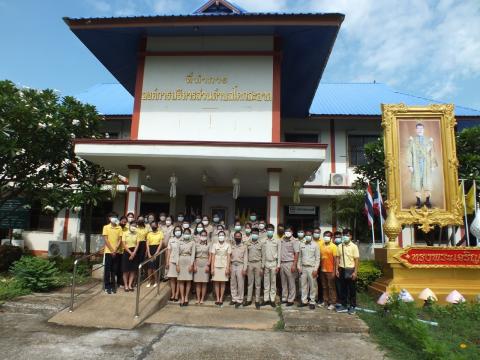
x,y
8,255
66,266
11,288
368,272
35,273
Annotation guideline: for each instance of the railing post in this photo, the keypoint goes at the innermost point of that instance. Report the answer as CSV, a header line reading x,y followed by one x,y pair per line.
x,y
139,286
72,294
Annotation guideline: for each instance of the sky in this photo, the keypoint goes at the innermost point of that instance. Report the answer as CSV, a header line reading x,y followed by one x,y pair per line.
x,y
429,48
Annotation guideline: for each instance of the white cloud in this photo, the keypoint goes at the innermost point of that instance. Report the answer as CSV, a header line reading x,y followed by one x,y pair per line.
x,y
263,5
431,45
170,7
100,6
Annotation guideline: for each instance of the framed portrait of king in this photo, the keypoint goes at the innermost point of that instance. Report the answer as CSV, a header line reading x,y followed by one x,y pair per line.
x,y
421,164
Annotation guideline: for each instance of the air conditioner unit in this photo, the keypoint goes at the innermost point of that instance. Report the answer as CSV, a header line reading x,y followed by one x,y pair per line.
x,y
60,248
338,179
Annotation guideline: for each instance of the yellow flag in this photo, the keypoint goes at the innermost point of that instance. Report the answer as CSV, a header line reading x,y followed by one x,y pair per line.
x,y
470,200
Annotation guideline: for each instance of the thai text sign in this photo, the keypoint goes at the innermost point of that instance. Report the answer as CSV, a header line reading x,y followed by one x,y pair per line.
x,y
440,257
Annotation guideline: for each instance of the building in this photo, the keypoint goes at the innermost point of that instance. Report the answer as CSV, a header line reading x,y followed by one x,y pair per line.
x,y
222,96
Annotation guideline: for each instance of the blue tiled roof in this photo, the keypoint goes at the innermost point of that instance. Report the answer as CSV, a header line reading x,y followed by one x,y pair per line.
x,y
365,99
109,99
330,99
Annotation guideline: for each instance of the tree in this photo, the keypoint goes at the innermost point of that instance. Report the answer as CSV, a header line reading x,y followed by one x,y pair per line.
x,y
349,212
374,168
37,158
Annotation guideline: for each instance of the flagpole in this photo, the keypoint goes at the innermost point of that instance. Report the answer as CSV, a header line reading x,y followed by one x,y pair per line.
x,y
381,213
465,213
475,204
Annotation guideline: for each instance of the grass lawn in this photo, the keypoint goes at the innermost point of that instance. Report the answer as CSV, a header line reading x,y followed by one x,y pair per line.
x,y
457,335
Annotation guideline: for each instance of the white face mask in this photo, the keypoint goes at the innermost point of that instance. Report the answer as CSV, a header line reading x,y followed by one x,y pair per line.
x,y
316,235
113,220
221,238
216,219
205,222
327,239
253,218
288,234
187,236
198,221
180,218
185,226
308,238
178,233
301,234
162,218
199,230
168,222
238,227
130,219
261,226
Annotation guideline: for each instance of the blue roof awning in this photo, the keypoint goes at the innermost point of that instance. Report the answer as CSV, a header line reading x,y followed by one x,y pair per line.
x,y
366,98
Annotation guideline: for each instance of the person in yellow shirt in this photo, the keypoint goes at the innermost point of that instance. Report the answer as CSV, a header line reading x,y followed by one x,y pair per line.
x,y
142,231
347,269
154,245
129,258
124,225
112,235
328,254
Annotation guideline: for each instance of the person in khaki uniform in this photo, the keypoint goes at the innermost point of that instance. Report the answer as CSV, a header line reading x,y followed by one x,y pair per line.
x,y
220,265
308,263
288,267
254,270
262,231
271,249
239,260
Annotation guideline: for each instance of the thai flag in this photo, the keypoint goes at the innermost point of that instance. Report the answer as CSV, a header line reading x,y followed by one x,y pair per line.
x,y
369,205
378,204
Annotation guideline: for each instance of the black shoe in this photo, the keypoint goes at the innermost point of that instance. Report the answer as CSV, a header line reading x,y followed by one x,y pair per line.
x,y
237,305
257,305
272,304
114,291
247,303
232,302
265,303
109,291
185,303
311,307
418,204
300,305
428,204
181,304
289,303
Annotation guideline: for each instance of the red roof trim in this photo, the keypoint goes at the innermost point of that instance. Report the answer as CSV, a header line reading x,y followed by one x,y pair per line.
x,y
200,143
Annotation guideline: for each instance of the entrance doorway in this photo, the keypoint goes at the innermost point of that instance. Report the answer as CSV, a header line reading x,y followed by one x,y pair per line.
x,y
154,207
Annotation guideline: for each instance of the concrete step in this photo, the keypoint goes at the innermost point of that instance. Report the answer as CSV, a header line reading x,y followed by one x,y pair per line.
x,y
217,317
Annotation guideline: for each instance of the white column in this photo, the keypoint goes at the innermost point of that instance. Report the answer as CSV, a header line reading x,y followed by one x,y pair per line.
x,y
273,196
134,189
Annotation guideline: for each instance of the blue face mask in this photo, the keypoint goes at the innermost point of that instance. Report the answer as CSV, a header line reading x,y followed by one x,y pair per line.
x,y
254,236
270,233
346,239
338,241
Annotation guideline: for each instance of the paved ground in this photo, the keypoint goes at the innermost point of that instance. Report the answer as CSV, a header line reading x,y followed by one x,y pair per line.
x,y
25,333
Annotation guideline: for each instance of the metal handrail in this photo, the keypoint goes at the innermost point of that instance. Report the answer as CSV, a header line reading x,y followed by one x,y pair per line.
x,y
140,282
74,277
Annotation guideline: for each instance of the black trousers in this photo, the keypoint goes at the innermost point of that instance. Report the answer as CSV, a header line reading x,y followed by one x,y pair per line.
x,y
348,290
110,270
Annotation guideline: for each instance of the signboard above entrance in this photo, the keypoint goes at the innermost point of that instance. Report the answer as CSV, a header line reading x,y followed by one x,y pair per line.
x,y
207,98
301,210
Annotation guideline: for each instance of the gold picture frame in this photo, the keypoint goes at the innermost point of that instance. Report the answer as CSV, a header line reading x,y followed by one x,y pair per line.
x,y
447,208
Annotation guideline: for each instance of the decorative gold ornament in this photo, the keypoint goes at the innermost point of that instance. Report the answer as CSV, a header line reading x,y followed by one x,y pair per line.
x,y
392,228
451,214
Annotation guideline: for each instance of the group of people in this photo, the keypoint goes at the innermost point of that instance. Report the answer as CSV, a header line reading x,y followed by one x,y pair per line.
x,y
314,268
